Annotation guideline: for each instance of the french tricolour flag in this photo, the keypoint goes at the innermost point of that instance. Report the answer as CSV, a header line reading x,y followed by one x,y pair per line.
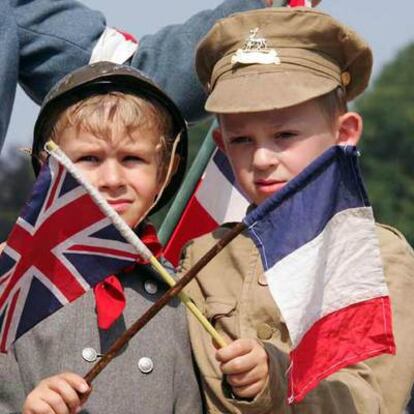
x,y
322,262
215,201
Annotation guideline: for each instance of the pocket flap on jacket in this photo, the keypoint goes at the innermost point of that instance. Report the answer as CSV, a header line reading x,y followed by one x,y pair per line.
x,y
219,307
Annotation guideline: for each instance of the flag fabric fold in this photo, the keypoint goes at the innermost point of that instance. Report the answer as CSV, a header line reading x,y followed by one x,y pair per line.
x,y
61,245
322,262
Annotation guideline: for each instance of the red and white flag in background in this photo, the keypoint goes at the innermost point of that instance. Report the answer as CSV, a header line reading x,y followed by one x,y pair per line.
x,y
216,200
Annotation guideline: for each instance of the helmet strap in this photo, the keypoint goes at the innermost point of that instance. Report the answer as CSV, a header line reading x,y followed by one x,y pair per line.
x,y
172,167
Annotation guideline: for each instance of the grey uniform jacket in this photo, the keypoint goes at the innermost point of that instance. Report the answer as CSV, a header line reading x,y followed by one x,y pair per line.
x,y
123,387
42,40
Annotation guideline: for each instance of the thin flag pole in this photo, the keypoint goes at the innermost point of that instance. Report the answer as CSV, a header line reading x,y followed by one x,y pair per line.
x,y
187,188
175,290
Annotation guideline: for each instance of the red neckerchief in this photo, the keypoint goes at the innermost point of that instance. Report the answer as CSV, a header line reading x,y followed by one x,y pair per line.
x,y
109,294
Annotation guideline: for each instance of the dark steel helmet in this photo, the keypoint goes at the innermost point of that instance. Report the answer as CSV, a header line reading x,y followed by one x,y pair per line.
x,y
100,78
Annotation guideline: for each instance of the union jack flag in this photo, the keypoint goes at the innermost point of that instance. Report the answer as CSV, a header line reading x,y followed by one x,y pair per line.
x,y
61,245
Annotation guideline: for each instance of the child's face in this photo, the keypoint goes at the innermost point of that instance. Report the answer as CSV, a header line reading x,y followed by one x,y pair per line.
x,y
267,149
125,168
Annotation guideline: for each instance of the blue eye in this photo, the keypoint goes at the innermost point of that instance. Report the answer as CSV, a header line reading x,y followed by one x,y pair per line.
x,y
240,140
132,158
88,158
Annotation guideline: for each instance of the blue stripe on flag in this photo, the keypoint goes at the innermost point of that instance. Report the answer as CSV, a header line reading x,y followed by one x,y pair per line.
x,y
6,263
300,211
2,316
69,184
102,266
32,208
39,304
224,166
109,233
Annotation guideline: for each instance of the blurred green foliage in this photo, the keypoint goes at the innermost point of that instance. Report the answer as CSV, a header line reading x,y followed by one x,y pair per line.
x,y
387,145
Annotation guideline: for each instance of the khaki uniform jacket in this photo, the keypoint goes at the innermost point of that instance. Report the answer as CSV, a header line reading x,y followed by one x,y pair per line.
x,y
232,293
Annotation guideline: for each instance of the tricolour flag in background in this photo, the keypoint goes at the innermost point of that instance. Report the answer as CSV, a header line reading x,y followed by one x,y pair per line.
x,y
322,262
61,245
215,201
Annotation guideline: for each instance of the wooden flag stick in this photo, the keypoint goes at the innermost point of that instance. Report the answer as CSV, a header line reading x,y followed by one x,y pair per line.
x,y
164,299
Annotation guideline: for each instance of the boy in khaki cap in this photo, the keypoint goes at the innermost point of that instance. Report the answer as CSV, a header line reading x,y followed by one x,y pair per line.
x,y
279,81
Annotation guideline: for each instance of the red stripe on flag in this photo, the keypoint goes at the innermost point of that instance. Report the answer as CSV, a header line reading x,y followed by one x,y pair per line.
x,y
194,222
99,250
344,337
53,190
8,321
127,36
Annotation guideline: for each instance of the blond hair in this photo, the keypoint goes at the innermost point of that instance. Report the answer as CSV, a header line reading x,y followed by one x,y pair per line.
x,y
98,114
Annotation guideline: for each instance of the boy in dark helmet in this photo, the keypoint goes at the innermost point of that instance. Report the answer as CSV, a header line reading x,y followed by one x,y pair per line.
x,y
129,140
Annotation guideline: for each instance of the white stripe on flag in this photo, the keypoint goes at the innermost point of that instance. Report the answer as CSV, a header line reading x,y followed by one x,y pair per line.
x,y
222,201
323,276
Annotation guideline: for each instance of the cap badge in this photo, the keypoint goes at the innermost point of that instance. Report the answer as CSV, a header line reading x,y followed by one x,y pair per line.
x,y
255,50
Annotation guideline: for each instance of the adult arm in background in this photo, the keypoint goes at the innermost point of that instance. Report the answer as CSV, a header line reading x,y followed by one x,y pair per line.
x,y
42,40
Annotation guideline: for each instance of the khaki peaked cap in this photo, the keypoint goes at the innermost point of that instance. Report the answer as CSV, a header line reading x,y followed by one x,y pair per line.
x,y
311,52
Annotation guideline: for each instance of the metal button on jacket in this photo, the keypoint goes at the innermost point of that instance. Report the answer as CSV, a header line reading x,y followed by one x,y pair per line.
x,y
150,287
90,354
264,331
145,365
